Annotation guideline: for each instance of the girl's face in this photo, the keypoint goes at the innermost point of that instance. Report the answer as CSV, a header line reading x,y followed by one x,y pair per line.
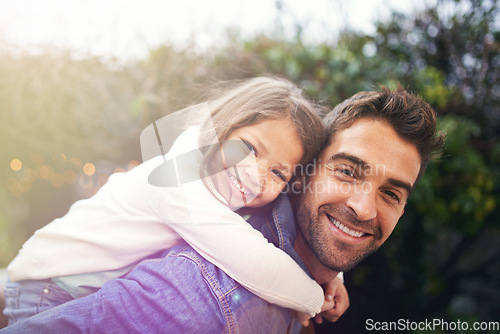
x,y
274,149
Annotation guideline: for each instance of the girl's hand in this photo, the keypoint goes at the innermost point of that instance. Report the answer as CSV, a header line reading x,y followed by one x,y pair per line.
x,y
303,318
336,301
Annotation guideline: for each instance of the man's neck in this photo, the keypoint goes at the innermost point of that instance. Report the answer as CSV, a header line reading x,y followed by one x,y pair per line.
x,y
319,272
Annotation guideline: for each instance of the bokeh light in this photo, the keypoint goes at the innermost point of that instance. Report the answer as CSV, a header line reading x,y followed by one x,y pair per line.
x,y
57,180
16,165
89,169
132,164
45,172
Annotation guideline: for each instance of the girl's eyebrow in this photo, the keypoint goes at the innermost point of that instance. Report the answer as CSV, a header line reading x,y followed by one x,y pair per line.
x,y
283,168
262,148
260,145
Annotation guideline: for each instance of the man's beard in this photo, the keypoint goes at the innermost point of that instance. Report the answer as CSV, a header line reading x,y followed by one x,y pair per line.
x,y
336,256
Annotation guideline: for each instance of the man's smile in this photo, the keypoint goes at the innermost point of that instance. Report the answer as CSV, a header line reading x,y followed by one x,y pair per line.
x,y
345,229
347,233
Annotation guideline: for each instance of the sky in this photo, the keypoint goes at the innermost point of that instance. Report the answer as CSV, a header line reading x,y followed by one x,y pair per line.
x,y
127,29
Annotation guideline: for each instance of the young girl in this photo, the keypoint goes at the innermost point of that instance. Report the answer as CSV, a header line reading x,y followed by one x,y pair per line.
x,y
266,129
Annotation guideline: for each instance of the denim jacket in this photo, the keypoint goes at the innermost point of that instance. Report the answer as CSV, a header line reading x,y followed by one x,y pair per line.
x,y
177,292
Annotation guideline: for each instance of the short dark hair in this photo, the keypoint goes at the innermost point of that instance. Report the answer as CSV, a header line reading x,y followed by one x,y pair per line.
x,y
410,116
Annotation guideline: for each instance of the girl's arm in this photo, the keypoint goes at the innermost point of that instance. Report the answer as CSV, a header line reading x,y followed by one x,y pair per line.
x,y
225,239
228,241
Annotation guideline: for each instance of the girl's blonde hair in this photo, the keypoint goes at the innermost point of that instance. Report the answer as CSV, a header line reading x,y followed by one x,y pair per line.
x,y
264,98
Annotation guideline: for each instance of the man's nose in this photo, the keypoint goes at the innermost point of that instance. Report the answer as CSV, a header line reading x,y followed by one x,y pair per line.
x,y
363,201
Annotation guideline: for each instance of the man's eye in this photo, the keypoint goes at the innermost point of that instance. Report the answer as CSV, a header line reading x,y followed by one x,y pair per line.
x,y
250,147
392,195
346,171
279,174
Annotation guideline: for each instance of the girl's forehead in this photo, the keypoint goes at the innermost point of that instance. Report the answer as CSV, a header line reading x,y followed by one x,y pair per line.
x,y
275,138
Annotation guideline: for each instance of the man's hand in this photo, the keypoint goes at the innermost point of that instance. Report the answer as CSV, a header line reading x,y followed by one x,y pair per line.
x,y
336,301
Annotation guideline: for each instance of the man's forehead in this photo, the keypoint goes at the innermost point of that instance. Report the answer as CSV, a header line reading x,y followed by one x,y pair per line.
x,y
375,145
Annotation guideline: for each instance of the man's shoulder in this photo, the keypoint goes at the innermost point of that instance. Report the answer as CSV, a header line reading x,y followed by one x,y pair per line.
x,y
190,281
189,264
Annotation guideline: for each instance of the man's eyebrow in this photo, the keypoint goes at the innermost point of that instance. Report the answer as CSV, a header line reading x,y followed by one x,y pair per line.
x,y
356,160
401,184
350,157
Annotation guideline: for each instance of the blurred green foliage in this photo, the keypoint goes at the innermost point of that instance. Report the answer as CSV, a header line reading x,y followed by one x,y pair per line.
x,y
442,261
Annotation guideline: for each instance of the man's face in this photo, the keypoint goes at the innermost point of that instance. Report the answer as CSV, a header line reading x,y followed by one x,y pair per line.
x,y
357,193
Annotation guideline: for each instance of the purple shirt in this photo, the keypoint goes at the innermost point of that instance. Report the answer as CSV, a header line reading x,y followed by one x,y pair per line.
x,y
177,292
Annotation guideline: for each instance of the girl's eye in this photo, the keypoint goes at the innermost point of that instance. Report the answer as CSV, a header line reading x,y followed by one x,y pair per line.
x,y
250,147
279,174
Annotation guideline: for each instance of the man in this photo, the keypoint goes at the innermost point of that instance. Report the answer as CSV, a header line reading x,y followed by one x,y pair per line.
x,y
380,145
346,206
